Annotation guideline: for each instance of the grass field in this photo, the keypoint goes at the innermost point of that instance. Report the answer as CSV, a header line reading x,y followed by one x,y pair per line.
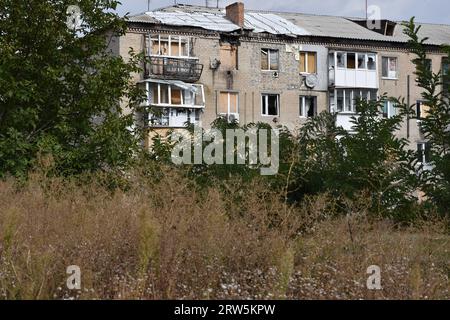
x,y
165,240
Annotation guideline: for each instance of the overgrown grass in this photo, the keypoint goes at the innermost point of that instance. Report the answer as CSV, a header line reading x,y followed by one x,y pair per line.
x,y
164,239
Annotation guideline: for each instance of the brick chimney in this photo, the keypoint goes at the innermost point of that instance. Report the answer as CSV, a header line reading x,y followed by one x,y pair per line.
x,y
235,13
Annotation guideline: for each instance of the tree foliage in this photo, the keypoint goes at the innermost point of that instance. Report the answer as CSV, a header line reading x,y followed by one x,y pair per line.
x,y
436,125
60,88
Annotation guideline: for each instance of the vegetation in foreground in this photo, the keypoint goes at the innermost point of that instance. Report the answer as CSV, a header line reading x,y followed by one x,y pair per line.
x,y
166,240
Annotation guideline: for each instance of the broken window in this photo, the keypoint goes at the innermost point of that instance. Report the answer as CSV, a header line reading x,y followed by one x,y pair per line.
x,y
228,103
171,46
389,67
308,62
308,107
270,104
371,61
228,56
269,59
165,94
362,61
340,57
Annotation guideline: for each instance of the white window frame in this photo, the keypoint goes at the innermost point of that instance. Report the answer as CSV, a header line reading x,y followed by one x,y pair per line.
x,y
302,109
352,109
389,76
268,60
169,92
357,54
391,109
180,41
265,96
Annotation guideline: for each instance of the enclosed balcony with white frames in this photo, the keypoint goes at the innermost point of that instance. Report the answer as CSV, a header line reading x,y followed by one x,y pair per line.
x,y
353,70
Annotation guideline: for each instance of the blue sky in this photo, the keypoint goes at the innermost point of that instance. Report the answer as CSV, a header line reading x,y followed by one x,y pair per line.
x,y
433,11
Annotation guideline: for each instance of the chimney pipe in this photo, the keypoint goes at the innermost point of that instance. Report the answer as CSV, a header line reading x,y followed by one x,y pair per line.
x,y
235,13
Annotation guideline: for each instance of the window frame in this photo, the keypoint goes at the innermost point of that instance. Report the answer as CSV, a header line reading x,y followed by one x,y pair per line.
x,y
265,96
363,93
424,153
303,114
180,40
229,93
389,58
306,53
158,86
269,65
357,54
390,106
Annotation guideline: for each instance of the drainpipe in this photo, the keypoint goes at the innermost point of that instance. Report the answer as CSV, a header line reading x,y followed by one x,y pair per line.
x,y
408,99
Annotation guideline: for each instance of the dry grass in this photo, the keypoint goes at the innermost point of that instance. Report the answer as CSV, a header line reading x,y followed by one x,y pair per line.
x,y
164,240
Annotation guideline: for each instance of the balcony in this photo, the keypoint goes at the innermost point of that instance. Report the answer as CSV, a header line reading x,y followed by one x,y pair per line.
x,y
170,68
353,70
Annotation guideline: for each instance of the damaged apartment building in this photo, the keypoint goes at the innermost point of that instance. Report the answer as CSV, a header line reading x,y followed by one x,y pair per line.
x,y
279,68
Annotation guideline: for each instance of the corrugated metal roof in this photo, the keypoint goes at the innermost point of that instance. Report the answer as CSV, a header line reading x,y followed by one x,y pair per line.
x,y
216,21
272,23
438,34
334,27
285,23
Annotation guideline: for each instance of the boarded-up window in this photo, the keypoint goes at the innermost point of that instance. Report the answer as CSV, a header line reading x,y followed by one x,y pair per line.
x,y
308,62
228,103
175,46
176,95
228,56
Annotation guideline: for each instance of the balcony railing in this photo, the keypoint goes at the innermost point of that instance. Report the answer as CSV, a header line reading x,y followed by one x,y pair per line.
x,y
168,68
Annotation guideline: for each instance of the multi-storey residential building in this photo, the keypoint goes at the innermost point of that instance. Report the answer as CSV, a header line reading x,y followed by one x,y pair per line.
x,y
274,67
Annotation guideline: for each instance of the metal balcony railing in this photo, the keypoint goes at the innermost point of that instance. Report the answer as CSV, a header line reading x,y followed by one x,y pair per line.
x,y
187,70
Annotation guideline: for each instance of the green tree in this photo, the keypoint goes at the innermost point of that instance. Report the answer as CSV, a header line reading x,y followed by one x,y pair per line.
x,y
60,88
370,159
436,125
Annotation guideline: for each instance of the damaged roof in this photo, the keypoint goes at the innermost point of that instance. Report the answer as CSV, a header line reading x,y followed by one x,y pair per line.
x,y
283,23
217,21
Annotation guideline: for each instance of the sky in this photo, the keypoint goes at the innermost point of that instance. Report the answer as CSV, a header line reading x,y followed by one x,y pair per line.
x,y
431,11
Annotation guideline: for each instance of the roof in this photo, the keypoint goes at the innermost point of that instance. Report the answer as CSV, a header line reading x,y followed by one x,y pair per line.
x,y
284,23
216,21
438,34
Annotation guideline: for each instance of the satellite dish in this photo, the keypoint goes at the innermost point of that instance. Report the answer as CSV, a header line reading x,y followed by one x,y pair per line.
x,y
311,81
